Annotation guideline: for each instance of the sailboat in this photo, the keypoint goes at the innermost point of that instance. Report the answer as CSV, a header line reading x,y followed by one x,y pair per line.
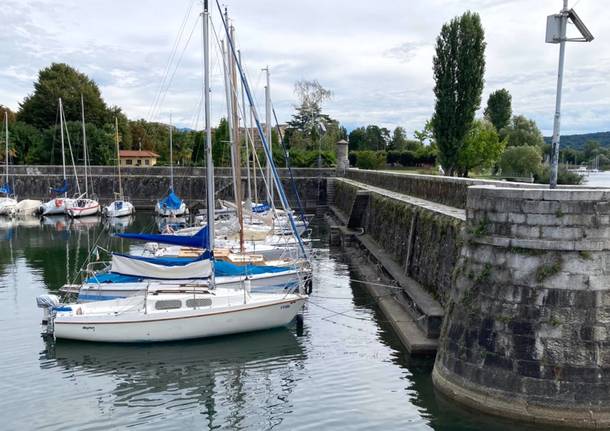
x,y
171,205
120,207
83,206
7,203
170,315
57,205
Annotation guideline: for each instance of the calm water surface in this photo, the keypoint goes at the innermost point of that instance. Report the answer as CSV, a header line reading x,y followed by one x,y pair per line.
x,y
347,371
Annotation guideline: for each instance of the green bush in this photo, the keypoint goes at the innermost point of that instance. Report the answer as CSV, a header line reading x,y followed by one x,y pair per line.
x,y
564,176
371,159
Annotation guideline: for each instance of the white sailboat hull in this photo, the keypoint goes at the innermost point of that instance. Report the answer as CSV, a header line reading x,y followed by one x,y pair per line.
x,y
170,212
119,209
7,206
82,208
27,207
138,327
56,206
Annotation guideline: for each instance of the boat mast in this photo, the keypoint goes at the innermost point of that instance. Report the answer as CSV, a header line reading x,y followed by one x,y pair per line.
x,y
236,151
171,156
243,109
63,150
118,158
268,135
225,68
82,111
6,143
208,135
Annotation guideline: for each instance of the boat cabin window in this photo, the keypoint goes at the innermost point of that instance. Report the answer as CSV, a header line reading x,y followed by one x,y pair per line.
x,y
168,304
198,302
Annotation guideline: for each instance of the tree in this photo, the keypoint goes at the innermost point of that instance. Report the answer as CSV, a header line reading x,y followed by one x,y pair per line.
x,y
24,138
459,66
11,114
522,131
482,148
591,150
60,80
308,120
357,139
521,161
377,138
499,108
399,139
426,135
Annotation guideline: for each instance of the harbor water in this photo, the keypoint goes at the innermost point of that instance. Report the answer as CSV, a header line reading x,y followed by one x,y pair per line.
x,y
346,371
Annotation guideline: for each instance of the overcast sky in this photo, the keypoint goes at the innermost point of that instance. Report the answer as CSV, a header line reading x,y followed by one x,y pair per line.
x,y
375,56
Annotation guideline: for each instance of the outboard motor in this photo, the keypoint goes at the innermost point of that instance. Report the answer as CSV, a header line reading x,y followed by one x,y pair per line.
x,y
48,303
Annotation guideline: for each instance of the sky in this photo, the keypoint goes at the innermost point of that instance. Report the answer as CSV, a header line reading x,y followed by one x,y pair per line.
x,y
375,56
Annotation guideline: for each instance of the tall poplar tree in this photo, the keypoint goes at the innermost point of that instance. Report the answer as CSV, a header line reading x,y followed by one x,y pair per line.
x,y
459,68
499,108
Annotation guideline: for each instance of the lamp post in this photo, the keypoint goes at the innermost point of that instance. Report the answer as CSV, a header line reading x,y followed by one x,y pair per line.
x,y
556,26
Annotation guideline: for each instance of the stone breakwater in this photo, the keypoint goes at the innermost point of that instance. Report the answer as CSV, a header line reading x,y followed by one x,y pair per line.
x,y
527,329
145,185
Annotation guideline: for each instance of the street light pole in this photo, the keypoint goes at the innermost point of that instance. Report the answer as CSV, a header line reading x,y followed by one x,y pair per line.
x,y
557,119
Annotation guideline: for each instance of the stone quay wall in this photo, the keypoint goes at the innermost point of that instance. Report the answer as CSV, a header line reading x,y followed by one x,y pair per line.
x,y
527,328
425,242
145,185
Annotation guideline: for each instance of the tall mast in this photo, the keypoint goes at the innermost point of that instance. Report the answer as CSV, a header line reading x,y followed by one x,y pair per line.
x,y
118,158
236,151
63,150
208,130
268,134
82,112
255,156
243,110
225,68
6,143
171,156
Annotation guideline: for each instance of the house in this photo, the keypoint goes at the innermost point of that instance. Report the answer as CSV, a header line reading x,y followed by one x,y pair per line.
x,y
138,158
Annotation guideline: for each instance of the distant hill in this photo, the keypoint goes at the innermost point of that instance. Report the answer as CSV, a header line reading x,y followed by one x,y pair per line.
x,y
578,141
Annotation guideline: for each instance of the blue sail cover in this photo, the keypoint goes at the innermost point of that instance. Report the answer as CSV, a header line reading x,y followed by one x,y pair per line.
x,y
261,208
221,267
63,189
171,201
197,240
6,189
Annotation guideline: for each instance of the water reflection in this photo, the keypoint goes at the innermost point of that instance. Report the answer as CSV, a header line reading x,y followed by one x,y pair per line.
x,y
232,381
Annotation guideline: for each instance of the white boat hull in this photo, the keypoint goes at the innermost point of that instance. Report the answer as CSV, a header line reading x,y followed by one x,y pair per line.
x,y
7,206
138,327
56,206
27,207
82,208
123,209
170,212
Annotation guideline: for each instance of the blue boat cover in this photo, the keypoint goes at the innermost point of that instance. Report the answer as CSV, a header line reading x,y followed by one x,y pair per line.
x,y
171,201
118,205
111,277
261,208
221,267
63,189
167,261
6,189
197,240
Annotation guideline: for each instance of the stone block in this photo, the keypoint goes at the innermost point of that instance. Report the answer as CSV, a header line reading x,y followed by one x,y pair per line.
x,y
543,220
599,282
541,207
562,233
524,231
517,218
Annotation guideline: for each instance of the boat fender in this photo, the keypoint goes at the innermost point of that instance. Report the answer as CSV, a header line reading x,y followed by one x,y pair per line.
x,y
79,311
59,202
309,286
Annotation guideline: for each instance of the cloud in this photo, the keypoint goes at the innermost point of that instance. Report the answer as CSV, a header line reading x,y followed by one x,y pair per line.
x,y
376,58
